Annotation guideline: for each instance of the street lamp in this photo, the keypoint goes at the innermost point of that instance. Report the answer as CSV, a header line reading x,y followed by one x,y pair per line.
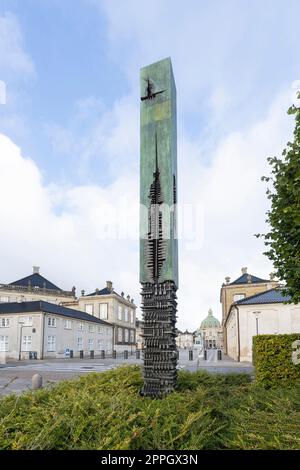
x,y
257,313
21,323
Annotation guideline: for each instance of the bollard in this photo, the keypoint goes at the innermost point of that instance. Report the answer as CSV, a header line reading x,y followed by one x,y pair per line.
x,y
102,354
36,381
114,354
190,355
81,354
71,353
92,354
219,355
125,354
138,354
205,354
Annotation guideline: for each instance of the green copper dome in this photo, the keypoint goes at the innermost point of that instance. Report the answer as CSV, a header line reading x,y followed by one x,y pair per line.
x,y
210,321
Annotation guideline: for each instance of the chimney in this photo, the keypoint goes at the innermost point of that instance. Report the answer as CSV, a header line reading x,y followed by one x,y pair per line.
x,y
227,279
244,270
35,270
128,298
109,285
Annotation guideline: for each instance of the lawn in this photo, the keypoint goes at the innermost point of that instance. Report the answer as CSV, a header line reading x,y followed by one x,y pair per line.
x,y
105,411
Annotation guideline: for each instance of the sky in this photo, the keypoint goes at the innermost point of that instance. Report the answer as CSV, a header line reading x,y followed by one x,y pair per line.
x,y
69,136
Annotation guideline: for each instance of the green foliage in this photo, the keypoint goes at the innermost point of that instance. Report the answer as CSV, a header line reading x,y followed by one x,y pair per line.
x,y
106,411
272,357
283,239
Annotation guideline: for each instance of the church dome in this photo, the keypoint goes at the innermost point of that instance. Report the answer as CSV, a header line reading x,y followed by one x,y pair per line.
x,y
210,321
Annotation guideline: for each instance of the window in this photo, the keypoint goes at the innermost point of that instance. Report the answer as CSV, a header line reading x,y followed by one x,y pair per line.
x,y
103,311
131,316
126,314
90,344
99,344
126,336
79,344
91,328
119,312
4,299
4,322
67,324
237,297
100,329
89,309
52,322
120,335
80,327
3,343
26,343
51,343
27,321
131,336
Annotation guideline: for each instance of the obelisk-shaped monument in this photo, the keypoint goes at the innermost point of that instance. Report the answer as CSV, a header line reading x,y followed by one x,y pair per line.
x,y
158,233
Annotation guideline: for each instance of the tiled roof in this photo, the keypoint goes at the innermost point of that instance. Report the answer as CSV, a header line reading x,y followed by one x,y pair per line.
x,y
35,280
104,291
243,279
47,307
271,296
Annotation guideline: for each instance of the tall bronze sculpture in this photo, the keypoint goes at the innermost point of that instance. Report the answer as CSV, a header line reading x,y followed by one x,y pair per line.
x,y
158,234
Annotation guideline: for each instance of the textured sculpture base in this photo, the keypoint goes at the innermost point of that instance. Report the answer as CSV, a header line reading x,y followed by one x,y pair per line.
x,y
160,353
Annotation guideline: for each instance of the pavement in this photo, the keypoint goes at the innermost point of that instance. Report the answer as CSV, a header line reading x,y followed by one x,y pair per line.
x,y
15,377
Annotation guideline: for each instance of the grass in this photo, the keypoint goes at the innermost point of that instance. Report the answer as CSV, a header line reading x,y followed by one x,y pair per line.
x,y
105,411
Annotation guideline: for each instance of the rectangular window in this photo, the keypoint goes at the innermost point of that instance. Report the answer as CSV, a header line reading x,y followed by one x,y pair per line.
x,y
99,344
4,343
51,343
126,314
79,344
26,343
237,297
100,329
89,309
90,344
4,322
120,335
27,321
103,311
119,312
91,328
131,336
67,324
4,299
52,322
131,316
80,327
126,336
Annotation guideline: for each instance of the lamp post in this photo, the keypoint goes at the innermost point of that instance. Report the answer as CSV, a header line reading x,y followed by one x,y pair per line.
x,y
21,323
257,313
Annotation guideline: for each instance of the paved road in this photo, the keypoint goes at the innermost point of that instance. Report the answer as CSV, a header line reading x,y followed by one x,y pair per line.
x,y
15,377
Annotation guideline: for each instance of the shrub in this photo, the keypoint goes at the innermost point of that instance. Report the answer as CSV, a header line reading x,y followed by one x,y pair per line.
x,y
272,358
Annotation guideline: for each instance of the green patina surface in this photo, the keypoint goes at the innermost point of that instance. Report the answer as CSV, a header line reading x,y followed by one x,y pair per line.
x,y
158,121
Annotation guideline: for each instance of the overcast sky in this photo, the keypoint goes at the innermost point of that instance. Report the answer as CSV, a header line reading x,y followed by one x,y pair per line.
x,y
69,135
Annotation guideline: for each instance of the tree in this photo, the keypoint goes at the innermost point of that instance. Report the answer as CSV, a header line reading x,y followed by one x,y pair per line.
x,y
283,239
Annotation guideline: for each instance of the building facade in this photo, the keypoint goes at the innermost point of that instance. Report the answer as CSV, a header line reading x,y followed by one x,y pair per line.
x,y
211,332
139,338
46,330
118,310
244,286
34,287
263,313
184,340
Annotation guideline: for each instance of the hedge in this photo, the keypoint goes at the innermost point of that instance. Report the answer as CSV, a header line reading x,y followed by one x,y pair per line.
x,y
273,360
